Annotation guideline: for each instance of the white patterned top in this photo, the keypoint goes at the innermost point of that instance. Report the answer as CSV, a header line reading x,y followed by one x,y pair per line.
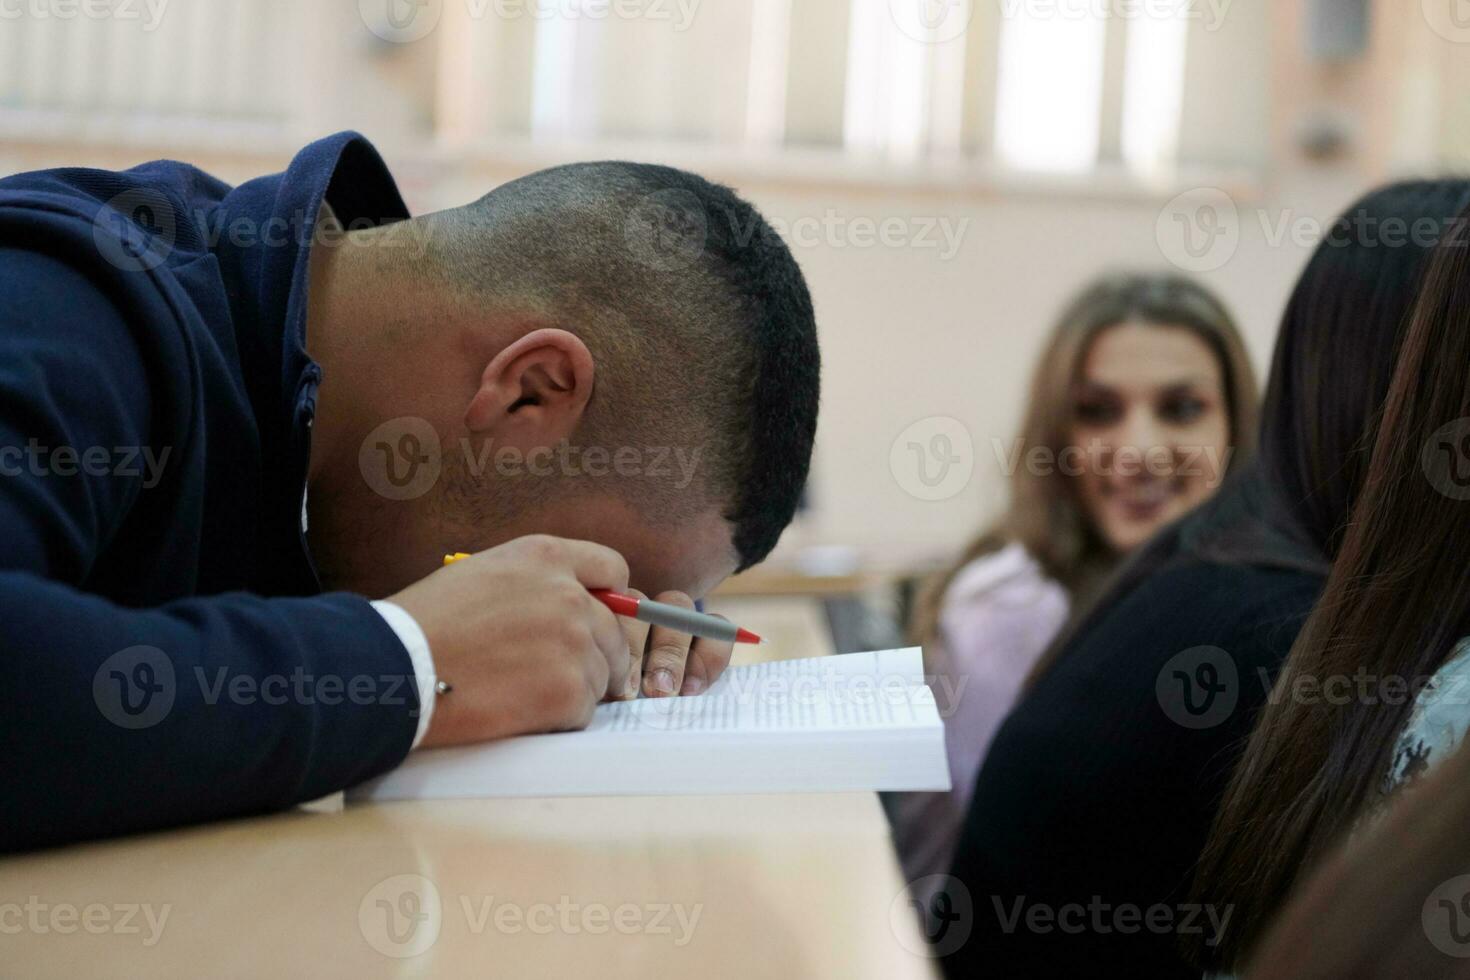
x,y
1438,724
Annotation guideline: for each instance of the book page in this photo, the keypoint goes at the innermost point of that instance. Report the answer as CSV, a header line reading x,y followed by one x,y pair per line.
x,y
882,668
801,699
839,723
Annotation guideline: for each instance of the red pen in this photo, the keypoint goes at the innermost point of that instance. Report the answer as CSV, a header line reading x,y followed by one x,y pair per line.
x,y
662,614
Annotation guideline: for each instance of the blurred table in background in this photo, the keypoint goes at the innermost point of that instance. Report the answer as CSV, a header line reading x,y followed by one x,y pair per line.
x,y
811,615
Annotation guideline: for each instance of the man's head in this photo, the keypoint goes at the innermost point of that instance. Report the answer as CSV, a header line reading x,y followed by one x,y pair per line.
x,y
612,351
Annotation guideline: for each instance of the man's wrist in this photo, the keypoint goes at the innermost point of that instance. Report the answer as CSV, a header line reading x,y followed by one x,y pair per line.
x,y
411,635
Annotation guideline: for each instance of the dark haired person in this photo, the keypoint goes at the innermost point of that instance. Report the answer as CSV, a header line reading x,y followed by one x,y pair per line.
x,y
1094,801
595,376
1376,691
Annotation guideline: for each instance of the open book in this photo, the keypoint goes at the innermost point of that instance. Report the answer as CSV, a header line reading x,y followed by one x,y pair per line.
x,y
860,721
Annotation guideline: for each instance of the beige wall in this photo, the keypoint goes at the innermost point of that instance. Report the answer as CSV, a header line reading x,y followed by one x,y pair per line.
x,y
907,332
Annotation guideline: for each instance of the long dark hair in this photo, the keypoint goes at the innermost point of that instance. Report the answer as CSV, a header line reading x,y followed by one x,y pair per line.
x,y
1045,515
1329,375
1396,601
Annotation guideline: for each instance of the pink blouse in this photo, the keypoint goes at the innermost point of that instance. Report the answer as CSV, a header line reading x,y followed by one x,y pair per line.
x,y
999,615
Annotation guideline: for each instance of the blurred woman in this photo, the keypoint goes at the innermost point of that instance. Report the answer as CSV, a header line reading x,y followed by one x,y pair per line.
x,y
1377,687
1095,799
1143,398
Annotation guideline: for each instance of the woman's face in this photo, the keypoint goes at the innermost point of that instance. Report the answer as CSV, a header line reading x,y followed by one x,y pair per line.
x,y
1151,428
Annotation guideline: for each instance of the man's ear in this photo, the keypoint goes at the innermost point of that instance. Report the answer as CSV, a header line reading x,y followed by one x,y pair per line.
x,y
534,392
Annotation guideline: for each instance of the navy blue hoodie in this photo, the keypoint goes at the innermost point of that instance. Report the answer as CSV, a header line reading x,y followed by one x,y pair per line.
x,y
166,653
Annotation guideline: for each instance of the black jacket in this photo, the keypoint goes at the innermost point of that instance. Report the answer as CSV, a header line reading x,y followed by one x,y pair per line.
x,y
1096,797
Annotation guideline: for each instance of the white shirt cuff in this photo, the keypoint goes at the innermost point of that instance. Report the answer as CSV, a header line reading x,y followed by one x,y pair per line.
x,y
417,644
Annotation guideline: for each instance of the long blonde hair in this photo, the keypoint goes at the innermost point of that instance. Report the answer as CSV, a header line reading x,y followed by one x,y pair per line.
x,y
1044,515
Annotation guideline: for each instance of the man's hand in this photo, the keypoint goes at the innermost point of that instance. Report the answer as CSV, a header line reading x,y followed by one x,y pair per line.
x,y
525,645
677,663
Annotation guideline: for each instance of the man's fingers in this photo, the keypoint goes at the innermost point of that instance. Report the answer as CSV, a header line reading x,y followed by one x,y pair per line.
x,y
663,665
595,566
612,642
706,662
637,635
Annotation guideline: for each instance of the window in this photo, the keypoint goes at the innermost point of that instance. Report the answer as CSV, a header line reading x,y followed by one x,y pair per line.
x,y
1049,87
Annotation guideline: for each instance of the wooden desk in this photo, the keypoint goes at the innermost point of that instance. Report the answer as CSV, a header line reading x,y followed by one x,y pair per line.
x,y
802,886
638,887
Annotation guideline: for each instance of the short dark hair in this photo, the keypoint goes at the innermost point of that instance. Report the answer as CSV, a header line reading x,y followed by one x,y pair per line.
x,y
694,308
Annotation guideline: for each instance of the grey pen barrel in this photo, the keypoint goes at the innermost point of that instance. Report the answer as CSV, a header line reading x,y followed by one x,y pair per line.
x,y
686,620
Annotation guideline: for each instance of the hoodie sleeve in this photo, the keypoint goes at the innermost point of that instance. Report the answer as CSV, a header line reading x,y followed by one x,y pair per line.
x,y
123,719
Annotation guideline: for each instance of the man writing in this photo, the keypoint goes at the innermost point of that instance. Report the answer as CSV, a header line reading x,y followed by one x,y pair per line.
x,y
334,396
